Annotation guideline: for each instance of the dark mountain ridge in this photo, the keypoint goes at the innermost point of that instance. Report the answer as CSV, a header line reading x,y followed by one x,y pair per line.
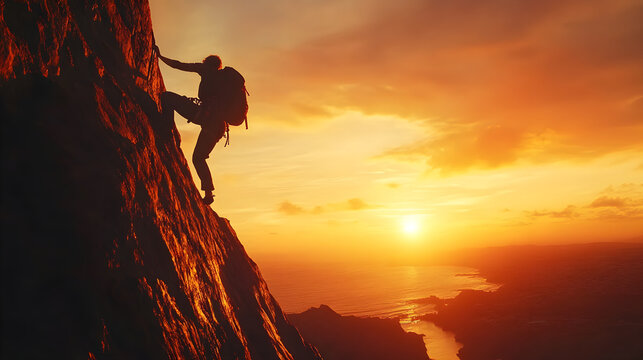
x,y
107,250
358,338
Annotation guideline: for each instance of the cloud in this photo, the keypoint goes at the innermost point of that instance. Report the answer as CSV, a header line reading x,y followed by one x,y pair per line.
x,y
618,214
495,81
631,191
289,208
308,110
606,201
568,212
624,201
357,204
620,202
490,146
354,204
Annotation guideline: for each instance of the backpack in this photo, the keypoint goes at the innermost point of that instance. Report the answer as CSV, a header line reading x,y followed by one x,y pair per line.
x,y
234,95
230,102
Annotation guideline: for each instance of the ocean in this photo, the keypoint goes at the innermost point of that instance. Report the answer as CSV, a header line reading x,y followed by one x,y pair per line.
x,y
380,291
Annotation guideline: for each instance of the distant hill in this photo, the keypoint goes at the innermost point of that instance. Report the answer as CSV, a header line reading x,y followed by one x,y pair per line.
x,y
357,338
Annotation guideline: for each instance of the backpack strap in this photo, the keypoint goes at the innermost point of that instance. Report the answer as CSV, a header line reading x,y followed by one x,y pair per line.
x,y
247,93
227,126
227,134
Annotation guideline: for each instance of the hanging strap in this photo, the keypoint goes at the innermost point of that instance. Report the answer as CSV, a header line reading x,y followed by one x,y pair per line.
x,y
227,135
227,126
246,118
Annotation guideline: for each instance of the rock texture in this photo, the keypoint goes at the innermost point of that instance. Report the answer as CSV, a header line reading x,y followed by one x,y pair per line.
x,y
107,251
358,338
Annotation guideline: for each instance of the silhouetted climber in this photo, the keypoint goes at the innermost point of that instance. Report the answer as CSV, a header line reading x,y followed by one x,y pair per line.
x,y
222,101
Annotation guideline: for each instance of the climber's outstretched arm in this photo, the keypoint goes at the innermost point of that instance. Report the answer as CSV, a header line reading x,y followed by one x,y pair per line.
x,y
192,67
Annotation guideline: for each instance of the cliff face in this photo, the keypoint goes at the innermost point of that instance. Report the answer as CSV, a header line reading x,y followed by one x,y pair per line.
x,y
107,250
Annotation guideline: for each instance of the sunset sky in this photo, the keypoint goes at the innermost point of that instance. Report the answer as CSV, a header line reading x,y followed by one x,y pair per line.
x,y
394,129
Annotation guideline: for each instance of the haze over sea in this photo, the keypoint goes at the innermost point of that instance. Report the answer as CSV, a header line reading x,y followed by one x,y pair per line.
x,y
374,290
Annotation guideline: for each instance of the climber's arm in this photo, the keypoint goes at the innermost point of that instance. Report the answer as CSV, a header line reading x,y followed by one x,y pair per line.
x,y
192,67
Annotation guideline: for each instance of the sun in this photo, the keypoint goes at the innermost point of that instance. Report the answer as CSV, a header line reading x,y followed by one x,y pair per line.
x,y
410,224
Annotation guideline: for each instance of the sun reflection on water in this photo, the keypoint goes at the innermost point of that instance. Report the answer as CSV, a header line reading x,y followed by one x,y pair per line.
x,y
403,292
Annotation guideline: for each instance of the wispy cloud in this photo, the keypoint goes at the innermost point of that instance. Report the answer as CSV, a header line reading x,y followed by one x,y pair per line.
x,y
357,204
568,212
289,208
454,151
606,201
623,201
353,204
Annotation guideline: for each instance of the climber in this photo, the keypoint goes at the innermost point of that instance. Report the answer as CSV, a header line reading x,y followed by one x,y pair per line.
x,y
221,101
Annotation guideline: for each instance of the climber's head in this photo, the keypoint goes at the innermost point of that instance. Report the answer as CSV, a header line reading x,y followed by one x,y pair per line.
x,y
213,62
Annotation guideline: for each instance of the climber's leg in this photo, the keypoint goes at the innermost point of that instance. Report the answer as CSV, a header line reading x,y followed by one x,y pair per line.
x,y
208,138
171,102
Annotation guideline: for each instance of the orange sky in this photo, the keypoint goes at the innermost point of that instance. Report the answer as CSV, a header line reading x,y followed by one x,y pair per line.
x,y
393,129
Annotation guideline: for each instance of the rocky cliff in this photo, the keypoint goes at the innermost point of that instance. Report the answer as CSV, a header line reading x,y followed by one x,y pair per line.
x,y
107,251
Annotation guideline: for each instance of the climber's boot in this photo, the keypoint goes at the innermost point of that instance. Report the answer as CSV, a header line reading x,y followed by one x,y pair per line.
x,y
208,198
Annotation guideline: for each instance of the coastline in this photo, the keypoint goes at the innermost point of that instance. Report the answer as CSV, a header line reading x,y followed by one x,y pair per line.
x,y
375,291
556,302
